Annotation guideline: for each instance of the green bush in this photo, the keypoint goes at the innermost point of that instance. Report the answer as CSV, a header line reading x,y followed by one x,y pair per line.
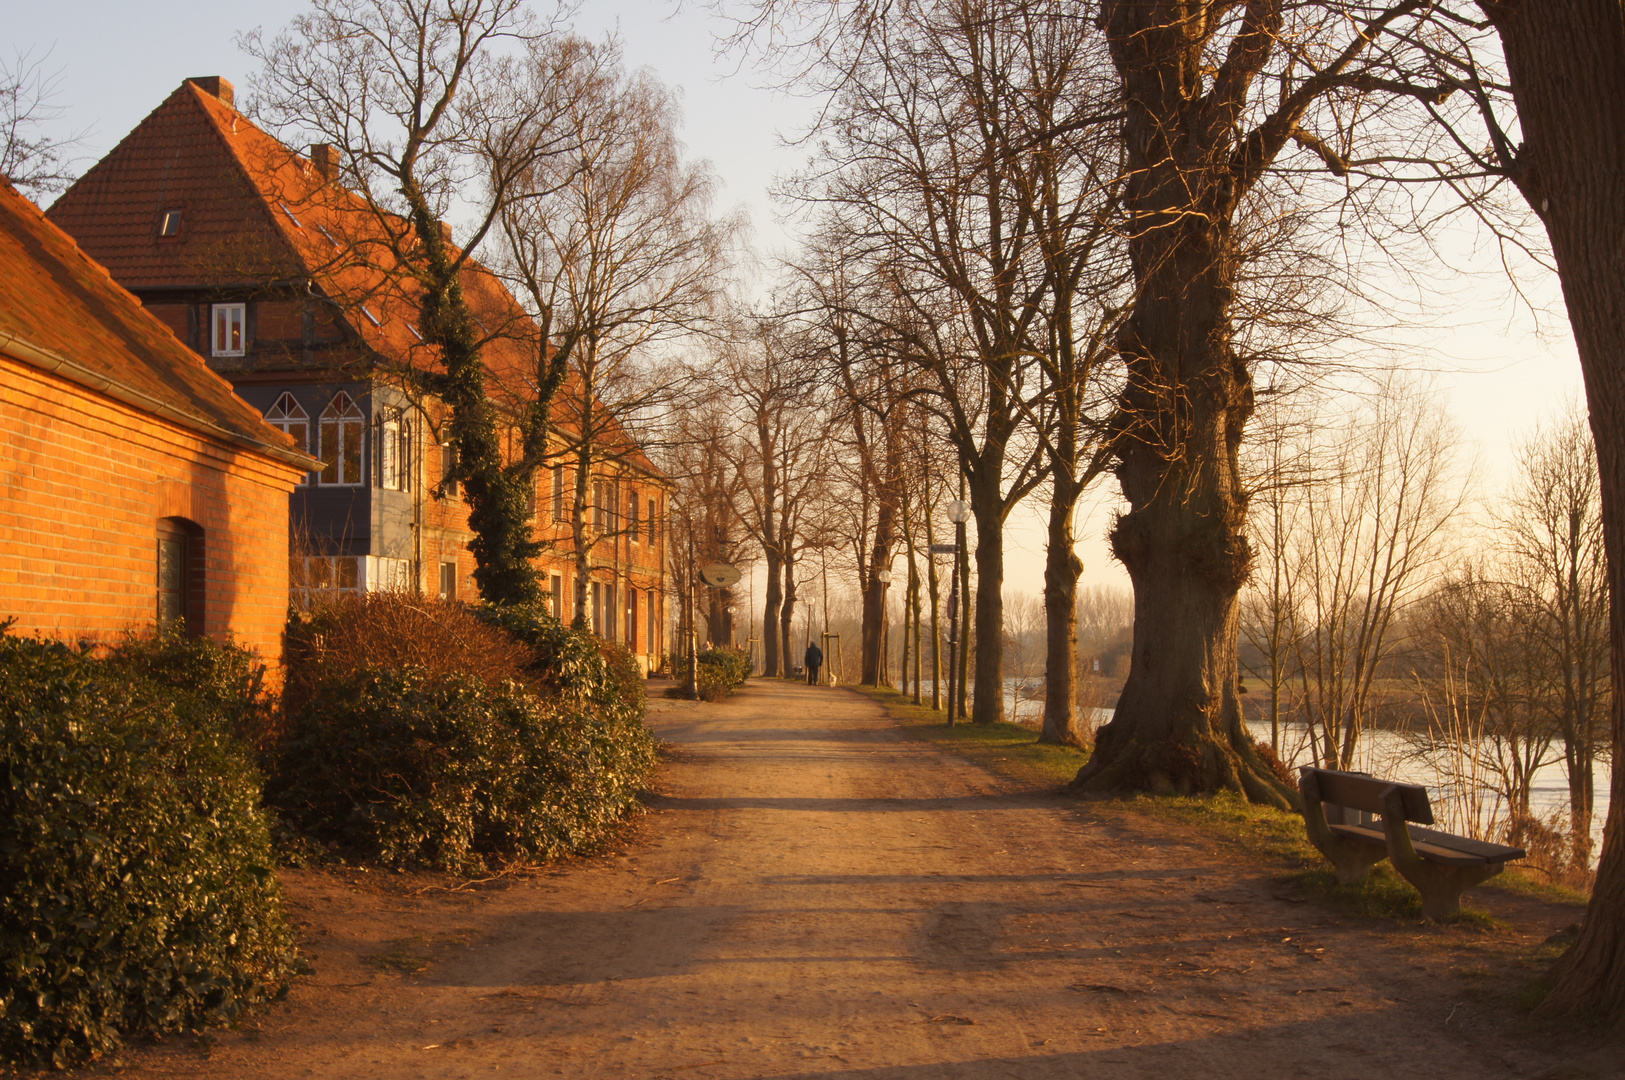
x,y
455,774
138,895
222,686
574,665
720,670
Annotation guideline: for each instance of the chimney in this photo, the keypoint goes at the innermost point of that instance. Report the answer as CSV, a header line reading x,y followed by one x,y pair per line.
x,y
214,84
325,156
445,233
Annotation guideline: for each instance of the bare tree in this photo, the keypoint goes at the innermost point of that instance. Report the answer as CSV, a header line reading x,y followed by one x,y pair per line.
x,y
427,111
1376,511
779,454
36,163
1552,526
613,247
1481,683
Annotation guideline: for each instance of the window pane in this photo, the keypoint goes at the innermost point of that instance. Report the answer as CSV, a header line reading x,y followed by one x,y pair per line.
x,y
389,468
330,452
351,453
321,572
346,568
171,578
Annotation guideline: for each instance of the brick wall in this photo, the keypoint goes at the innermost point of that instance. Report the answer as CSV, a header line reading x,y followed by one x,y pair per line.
x,y
84,483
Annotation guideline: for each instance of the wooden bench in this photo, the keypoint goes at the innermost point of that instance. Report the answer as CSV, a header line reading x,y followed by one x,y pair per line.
x,y
1338,809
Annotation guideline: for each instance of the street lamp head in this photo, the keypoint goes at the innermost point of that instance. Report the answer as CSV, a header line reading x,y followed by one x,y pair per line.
x,y
884,577
958,512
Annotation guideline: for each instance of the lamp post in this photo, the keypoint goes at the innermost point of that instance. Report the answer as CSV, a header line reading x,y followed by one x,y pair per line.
x,y
882,664
957,513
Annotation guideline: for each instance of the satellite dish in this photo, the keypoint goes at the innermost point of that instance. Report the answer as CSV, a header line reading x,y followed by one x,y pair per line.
x,y
719,575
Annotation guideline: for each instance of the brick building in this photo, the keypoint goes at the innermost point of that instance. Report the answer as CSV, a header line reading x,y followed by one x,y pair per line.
x,y
283,280
134,486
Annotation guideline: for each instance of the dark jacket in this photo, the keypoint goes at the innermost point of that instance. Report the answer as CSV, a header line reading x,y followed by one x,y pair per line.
x,y
814,657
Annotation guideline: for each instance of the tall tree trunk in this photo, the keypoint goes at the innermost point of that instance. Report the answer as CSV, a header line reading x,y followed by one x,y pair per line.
x,y
1061,570
936,608
1178,726
873,629
987,504
579,525
1186,399
787,614
962,676
770,615
1566,59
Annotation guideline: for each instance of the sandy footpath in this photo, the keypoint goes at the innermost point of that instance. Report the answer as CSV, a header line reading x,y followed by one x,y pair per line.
x,y
815,895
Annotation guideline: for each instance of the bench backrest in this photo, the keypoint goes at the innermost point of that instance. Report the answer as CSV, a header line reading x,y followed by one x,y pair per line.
x,y
1362,791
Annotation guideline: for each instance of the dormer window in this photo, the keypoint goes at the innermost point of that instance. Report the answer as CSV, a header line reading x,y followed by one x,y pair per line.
x,y
170,223
228,321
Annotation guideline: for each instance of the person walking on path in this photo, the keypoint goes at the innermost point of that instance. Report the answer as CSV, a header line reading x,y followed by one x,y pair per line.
x,y
813,661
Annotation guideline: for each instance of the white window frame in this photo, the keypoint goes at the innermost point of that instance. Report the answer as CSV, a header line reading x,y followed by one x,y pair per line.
x,y
394,452
223,320
336,429
289,417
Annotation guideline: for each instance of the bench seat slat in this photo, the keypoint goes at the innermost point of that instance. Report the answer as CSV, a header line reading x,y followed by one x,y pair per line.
x,y
1437,846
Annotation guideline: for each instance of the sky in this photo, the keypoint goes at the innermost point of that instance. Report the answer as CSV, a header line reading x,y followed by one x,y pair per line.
x,y
1500,363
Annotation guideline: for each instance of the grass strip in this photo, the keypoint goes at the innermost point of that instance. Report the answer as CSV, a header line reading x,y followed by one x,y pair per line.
x,y
1273,837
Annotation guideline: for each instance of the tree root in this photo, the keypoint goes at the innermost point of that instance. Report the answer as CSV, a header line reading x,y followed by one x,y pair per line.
x,y
1184,767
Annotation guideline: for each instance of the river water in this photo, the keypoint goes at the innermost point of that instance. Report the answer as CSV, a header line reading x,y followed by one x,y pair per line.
x,y
1462,801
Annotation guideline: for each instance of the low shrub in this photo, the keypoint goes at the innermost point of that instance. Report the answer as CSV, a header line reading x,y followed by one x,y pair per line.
x,y
138,895
720,671
345,635
456,774
213,684
572,664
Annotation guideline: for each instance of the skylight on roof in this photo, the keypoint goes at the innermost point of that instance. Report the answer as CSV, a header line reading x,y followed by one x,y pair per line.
x,y
414,330
323,230
170,225
367,311
291,218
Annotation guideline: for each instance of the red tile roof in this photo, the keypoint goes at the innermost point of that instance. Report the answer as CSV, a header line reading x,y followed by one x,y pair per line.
x,y
254,211
61,311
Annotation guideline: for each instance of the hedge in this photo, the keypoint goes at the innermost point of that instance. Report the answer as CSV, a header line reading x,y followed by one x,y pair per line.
x,y
139,896
413,767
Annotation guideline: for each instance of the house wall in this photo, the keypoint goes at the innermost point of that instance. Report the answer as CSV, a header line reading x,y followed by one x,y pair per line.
x,y
85,482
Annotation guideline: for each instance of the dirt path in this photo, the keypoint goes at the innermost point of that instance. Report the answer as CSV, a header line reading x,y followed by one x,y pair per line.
x,y
816,895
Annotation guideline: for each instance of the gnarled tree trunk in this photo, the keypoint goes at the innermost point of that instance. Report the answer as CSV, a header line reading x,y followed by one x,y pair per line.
x,y
1566,59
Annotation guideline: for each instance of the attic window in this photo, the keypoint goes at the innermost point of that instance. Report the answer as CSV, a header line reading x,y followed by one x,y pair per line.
x,y
367,311
170,224
291,218
322,229
227,335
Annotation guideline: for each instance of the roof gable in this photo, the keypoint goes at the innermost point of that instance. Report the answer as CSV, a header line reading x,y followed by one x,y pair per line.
x,y
179,158
60,310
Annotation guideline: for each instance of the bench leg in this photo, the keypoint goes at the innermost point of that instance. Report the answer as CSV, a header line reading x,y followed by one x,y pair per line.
x,y
1352,860
1441,886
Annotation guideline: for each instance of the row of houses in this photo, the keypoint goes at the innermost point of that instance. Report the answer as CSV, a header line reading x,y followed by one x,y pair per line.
x,y
208,411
